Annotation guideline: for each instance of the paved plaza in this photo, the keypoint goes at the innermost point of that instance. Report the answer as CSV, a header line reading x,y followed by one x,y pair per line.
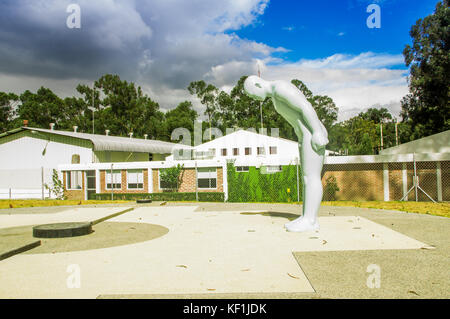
x,y
209,250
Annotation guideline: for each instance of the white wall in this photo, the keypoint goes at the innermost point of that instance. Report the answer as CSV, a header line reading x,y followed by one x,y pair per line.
x,y
26,153
21,161
286,150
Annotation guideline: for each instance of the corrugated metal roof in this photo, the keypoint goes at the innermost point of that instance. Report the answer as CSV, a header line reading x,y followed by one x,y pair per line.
x,y
117,143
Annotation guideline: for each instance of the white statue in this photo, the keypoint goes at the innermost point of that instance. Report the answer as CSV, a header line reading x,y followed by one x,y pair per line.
x,y
290,102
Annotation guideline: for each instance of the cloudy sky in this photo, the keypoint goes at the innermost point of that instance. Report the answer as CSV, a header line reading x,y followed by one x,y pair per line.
x,y
163,45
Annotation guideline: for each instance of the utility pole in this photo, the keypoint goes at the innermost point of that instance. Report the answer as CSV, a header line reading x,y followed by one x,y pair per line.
x,y
381,133
396,133
93,108
260,104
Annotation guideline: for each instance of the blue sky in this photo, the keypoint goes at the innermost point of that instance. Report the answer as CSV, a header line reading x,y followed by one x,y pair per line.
x,y
317,29
164,45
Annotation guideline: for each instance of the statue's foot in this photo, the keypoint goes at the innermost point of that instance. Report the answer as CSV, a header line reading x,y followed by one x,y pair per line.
x,y
302,225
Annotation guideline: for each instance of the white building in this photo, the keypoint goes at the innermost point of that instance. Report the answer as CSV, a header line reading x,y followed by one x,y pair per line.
x,y
249,147
29,155
433,144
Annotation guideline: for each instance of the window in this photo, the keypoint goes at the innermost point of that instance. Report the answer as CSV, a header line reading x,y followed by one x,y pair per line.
x,y
235,151
224,152
207,177
135,179
150,157
260,150
74,180
242,168
212,152
114,180
75,159
273,150
271,169
248,151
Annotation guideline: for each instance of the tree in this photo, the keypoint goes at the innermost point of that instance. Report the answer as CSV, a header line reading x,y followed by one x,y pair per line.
x,y
183,116
207,93
324,106
42,108
7,112
57,186
427,106
123,109
171,177
375,115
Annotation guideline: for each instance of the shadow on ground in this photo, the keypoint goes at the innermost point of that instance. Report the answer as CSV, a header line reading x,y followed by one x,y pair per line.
x,y
273,214
106,234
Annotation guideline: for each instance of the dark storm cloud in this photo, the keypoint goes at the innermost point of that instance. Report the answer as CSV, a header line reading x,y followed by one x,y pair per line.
x,y
162,43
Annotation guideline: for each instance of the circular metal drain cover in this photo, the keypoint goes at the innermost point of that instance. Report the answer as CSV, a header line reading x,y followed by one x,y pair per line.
x,y
61,230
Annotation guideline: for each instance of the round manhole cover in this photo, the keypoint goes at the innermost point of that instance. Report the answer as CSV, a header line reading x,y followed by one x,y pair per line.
x,y
61,230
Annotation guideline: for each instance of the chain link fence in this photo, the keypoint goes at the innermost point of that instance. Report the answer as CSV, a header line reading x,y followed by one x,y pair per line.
x,y
428,181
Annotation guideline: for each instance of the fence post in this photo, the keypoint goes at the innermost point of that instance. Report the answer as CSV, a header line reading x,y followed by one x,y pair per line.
x,y
439,181
405,181
10,194
386,182
196,183
42,182
298,182
415,176
112,183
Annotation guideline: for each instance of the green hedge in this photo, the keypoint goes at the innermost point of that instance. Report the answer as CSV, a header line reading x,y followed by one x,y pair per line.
x,y
169,196
253,186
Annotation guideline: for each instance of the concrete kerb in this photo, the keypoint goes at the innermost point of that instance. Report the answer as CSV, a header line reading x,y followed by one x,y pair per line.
x,y
111,216
20,249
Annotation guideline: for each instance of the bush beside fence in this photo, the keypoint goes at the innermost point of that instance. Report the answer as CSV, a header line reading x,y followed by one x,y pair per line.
x,y
202,196
254,186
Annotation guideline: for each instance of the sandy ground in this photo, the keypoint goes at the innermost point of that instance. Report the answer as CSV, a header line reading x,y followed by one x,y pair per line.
x,y
214,251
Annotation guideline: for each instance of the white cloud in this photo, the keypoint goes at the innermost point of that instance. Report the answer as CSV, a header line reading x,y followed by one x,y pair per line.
x,y
354,82
163,45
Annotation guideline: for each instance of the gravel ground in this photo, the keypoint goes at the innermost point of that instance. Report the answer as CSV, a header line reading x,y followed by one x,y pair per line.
x,y
422,273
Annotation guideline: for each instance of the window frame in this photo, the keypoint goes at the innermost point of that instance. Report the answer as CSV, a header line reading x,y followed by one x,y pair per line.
x,y
273,148
136,171
213,177
115,171
69,180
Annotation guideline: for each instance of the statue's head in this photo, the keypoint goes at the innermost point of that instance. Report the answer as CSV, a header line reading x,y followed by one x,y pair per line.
x,y
256,87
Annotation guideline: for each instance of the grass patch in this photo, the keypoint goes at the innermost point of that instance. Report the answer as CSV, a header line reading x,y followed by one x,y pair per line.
x,y
437,209
18,203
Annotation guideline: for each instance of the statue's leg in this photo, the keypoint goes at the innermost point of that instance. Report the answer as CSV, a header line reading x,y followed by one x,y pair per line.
x,y
311,164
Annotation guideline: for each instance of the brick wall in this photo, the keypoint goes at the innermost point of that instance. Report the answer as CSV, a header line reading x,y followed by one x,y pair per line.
x,y
445,180
395,181
188,181
357,181
74,194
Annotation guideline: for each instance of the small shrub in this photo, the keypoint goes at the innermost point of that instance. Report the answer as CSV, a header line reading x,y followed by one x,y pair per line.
x,y
166,196
331,188
57,187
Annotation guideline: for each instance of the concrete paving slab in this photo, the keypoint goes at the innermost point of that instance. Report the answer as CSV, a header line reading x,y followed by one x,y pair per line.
x,y
204,252
67,215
